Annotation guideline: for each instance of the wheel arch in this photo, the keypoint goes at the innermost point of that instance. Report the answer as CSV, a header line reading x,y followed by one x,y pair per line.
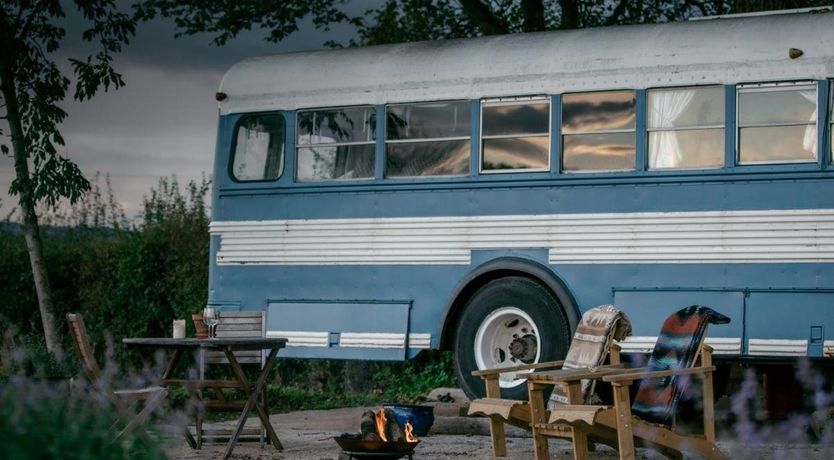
x,y
500,268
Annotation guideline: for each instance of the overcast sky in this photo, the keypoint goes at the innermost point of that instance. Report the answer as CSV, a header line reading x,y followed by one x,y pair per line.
x,y
164,121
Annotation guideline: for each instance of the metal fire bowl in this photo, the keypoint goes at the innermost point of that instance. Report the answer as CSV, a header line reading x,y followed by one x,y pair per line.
x,y
374,449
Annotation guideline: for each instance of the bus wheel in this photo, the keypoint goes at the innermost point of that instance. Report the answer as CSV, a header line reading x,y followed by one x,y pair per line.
x,y
508,322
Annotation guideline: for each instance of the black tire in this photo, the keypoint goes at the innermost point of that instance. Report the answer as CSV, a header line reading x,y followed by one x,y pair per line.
x,y
525,294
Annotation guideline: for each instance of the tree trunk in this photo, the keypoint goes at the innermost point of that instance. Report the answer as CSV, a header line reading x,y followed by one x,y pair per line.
x,y
31,229
533,11
570,14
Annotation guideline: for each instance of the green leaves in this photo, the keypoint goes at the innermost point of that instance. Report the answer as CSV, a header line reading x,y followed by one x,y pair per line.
x,y
35,85
227,18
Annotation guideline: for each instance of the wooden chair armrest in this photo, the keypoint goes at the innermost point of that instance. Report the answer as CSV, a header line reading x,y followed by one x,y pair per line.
x,y
645,374
575,375
524,367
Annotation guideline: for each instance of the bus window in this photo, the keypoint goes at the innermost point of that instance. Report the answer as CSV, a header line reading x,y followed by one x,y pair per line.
x,y
777,123
686,127
259,148
335,144
427,139
515,135
598,131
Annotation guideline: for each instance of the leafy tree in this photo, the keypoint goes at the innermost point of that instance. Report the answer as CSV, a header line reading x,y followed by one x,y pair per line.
x,y
33,85
398,21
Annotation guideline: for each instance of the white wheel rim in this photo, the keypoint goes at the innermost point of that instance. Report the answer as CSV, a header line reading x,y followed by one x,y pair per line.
x,y
494,336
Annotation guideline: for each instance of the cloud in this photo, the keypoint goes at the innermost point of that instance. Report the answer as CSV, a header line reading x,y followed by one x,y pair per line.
x,y
164,121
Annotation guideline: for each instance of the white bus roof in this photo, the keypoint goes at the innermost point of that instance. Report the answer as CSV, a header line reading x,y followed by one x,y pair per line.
x,y
721,51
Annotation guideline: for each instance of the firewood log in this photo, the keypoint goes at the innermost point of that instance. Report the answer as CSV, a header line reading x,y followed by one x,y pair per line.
x,y
393,431
368,425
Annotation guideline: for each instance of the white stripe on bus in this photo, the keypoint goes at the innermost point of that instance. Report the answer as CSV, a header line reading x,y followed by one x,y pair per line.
x,y
771,236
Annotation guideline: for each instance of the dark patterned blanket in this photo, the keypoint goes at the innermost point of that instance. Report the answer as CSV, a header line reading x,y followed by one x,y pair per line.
x,y
676,348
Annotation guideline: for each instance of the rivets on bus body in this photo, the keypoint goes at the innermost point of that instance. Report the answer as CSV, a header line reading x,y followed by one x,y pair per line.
x,y
795,53
220,96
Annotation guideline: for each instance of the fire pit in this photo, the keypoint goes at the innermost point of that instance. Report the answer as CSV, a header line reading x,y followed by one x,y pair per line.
x,y
380,437
357,448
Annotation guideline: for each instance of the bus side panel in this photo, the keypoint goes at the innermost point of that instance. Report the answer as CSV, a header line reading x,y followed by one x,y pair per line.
x,y
341,329
790,323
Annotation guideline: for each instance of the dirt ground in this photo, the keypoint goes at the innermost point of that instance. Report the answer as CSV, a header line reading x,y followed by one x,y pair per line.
x,y
308,435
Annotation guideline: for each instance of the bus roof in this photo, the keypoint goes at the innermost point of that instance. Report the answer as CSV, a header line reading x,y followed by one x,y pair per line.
x,y
721,51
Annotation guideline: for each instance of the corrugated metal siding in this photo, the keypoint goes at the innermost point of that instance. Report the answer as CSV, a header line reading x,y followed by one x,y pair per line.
x,y
673,237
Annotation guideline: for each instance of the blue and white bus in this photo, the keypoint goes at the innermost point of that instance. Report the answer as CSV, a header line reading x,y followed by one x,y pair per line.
x,y
478,195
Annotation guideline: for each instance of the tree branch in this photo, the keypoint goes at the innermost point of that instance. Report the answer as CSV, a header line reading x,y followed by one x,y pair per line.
x,y
616,13
533,15
482,16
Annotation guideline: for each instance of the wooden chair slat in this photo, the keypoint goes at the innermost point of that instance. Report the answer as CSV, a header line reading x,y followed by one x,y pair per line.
x,y
152,396
232,324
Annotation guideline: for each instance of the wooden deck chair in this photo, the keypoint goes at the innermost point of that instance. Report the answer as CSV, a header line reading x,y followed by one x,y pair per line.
x,y
232,324
592,342
650,420
152,396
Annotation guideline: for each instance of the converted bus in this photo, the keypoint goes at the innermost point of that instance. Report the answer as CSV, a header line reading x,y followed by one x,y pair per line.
x,y
479,195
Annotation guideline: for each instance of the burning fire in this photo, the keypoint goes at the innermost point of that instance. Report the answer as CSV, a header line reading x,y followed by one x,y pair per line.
x,y
380,420
409,435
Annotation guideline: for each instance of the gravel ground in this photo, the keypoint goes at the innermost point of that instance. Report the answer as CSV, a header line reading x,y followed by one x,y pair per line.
x,y
308,435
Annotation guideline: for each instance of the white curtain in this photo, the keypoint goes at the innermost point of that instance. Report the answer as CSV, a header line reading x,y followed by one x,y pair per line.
x,y
809,141
253,148
665,108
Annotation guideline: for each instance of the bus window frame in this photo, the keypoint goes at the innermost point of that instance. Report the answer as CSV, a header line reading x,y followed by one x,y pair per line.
x,y
233,146
635,169
297,146
514,100
649,130
786,85
828,130
386,141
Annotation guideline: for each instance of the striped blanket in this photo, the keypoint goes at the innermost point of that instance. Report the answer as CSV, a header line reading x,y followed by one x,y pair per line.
x,y
676,348
598,327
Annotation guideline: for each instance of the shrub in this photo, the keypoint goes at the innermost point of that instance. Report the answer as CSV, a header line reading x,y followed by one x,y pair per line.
x,y
39,419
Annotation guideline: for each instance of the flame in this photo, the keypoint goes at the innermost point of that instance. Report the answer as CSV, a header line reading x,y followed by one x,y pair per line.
x,y
380,419
409,435
380,424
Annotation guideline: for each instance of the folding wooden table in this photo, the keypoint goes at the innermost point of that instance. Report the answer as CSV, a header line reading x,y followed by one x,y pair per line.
x,y
228,346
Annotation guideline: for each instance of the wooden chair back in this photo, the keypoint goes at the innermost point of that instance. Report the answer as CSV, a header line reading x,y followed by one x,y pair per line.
x,y
239,324
82,346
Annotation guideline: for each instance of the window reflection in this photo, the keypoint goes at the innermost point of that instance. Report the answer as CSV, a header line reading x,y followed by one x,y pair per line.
x,y
515,135
439,158
350,124
425,121
777,123
777,105
427,139
259,148
599,111
686,127
335,144
335,162
776,144
598,131
516,153
531,118
598,152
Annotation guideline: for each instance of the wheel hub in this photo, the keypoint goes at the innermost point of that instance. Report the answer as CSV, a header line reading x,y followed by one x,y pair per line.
x,y
524,348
